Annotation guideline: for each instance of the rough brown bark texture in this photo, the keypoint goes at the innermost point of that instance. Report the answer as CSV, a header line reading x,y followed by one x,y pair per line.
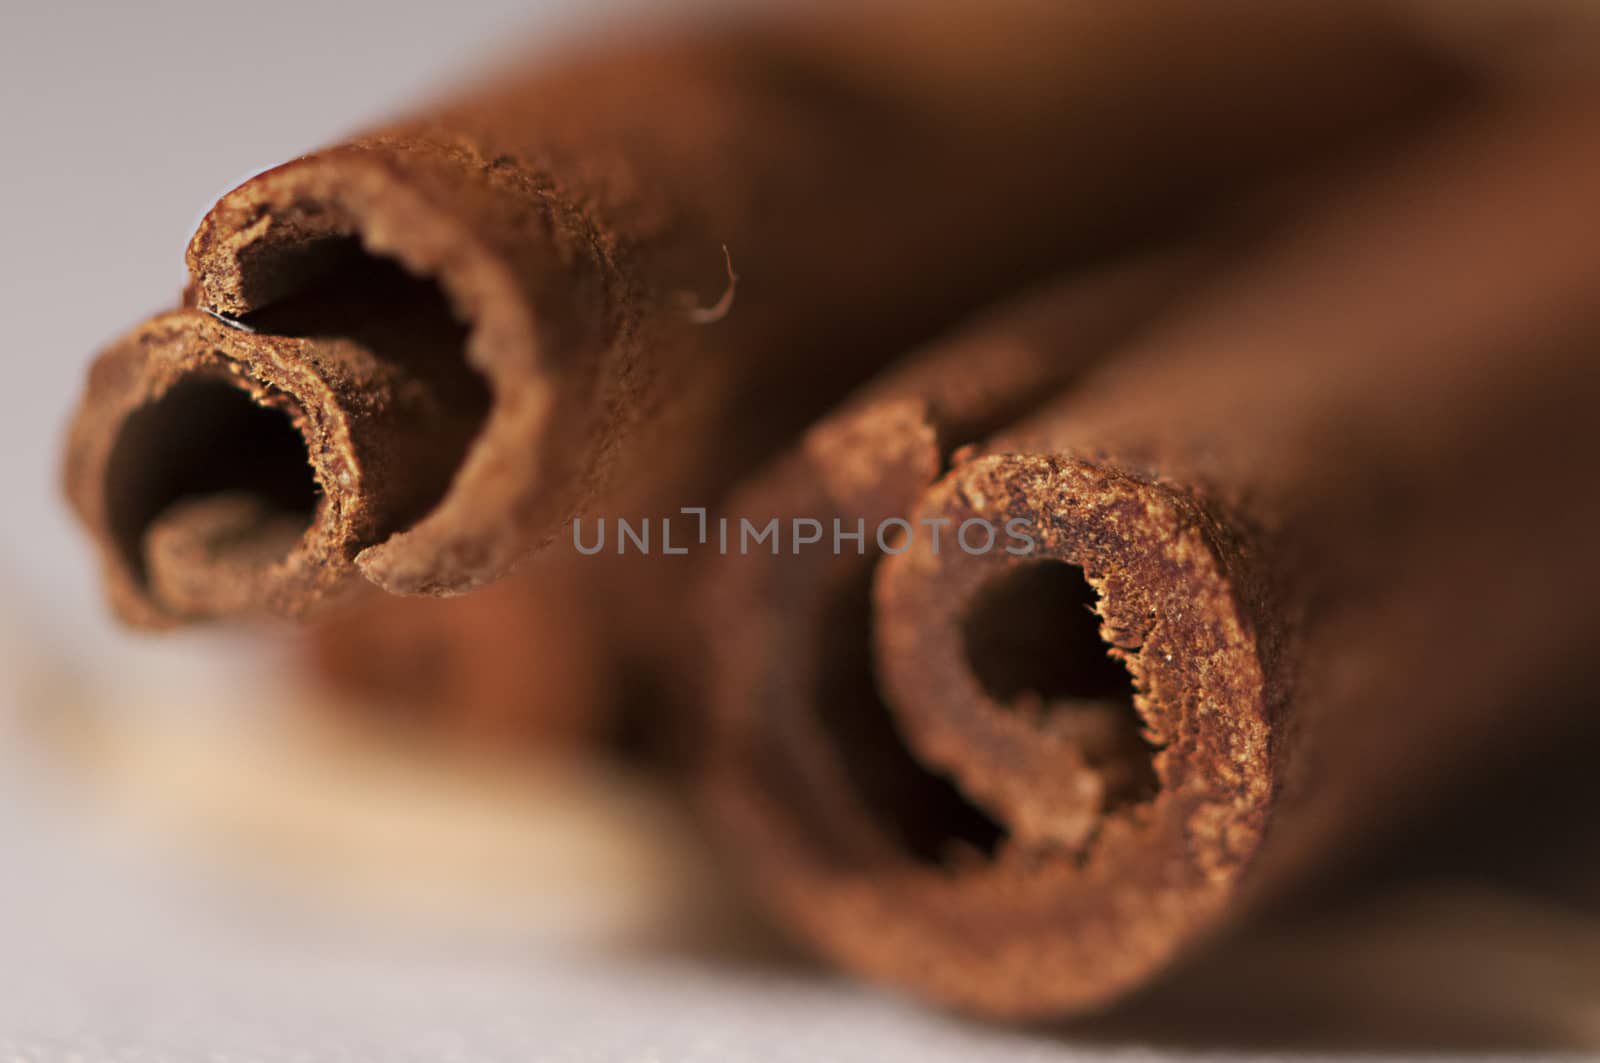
x,y
1331,514
480,321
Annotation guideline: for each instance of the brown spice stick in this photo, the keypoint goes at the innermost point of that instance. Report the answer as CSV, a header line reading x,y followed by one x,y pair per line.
x,y
1334,521
528,248
516,668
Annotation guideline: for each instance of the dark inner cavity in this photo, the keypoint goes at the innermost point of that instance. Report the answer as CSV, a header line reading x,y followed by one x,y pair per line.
x,y
1033,643
336,289
924,811
205,437
1033,631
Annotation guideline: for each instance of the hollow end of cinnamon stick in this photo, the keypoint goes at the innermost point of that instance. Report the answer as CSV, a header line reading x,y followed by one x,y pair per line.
x,y
999,783
350,244
225,471
1331,537
986,774
324,410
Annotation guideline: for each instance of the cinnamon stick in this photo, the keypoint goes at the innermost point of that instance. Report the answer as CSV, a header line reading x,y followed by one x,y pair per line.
x,y
1331,520
521,667
474,324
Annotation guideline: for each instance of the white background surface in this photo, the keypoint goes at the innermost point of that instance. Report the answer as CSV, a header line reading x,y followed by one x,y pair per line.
x,y
113,951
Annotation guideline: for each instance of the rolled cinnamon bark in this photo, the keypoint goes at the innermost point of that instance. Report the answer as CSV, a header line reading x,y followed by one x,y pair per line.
x,y
463,329
518,668
1334,526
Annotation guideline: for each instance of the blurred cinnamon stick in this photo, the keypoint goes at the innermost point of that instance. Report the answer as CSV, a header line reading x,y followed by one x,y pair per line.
x,y
519,667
